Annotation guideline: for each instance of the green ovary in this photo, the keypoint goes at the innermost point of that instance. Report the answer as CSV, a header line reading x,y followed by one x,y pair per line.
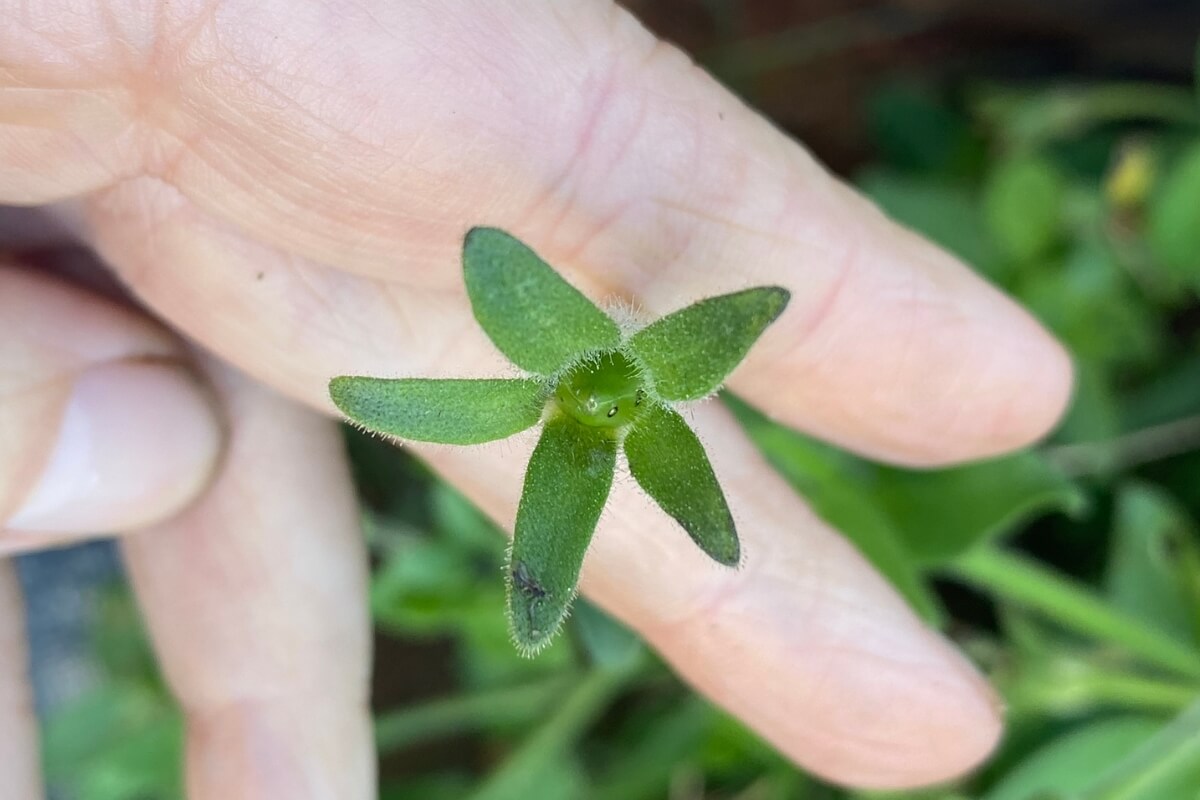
x,y
604,392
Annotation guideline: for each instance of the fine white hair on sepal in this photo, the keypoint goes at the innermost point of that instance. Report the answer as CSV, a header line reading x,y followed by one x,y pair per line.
x,y
628,314
622,476
528,650
532,649
374,434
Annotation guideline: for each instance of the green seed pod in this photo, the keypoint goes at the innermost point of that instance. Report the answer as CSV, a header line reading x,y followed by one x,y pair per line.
x,y
605,392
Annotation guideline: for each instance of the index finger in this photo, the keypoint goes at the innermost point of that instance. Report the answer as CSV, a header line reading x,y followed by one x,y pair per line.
x,y
369,140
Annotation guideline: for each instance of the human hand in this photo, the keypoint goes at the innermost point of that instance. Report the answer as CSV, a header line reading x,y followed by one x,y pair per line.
x,y
288,184
255,593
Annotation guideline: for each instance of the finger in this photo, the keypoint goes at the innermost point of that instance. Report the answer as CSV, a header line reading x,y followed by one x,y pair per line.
x,y
821,645
804,643
101,426
19,764
620,161
256,602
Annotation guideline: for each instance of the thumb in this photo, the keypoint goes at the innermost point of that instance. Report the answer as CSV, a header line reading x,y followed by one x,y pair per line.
x,y
102,427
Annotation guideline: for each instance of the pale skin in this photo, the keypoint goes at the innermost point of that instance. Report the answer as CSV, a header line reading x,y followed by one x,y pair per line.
x,y
287,183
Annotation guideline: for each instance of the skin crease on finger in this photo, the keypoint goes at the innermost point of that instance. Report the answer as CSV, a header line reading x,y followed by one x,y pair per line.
x,y
236,141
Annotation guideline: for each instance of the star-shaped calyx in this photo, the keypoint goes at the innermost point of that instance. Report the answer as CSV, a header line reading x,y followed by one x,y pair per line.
x,y
596,389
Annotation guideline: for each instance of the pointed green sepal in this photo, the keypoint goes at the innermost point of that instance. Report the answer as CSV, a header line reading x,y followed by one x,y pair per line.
x,y
444,411
566,484
531,314
690,353
670,464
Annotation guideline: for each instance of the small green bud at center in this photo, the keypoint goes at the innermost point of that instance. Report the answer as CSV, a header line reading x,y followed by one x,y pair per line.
x,y
604,393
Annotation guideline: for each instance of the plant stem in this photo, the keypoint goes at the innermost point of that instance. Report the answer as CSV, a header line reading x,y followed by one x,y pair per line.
x,y
1073,686
1067,111
1129,450
1132,100
403,727
1169,757
520,775
752,57
1024,582
1139,692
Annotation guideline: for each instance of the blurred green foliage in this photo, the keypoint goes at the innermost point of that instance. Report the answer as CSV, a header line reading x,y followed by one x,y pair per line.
x,y
1071,572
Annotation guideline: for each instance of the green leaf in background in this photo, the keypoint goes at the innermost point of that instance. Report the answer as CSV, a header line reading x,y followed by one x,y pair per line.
x,y
462,523
669,463
1174,219
834,484
1094,414
1173,393
433,786
609,644
731,746
941,513
1026,120
918,132
389,481
906,520
690,352
1047,672
1089,300
490,709
124,737
533,316
1028,583
446,411
436,577
487,658
1164,767
564,778
946,212
656,752
423,587
119,742
1070,762
665,744
143,764
537,763
1154,561
566,484
913,794
1023,207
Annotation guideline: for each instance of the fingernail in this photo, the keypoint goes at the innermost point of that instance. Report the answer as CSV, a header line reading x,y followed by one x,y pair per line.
x,y
137,441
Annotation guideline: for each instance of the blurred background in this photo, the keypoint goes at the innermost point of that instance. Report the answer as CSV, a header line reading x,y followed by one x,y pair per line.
x,y
1056,148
